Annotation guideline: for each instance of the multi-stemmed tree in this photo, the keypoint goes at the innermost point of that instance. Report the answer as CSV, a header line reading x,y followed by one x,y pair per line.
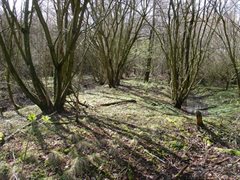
x,y
228,31
118,24
185,32
61,45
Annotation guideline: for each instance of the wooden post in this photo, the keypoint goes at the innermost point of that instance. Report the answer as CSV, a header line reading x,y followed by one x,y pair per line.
x,y
199,118
2,138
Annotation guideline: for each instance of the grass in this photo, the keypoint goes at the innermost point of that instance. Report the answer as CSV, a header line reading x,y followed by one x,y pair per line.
x,y
145,140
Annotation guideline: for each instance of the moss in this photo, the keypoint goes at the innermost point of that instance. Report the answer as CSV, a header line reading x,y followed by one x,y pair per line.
x,y
65,176
73,152
29,158
130,174
233,152
38,174
177,145
227,102
66,150
207,141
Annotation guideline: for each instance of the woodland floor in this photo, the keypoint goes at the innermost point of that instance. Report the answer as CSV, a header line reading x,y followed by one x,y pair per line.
x,y
146,139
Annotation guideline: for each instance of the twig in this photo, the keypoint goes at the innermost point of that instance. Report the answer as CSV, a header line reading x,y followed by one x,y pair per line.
x,y
219,162
181,172
153,155
84,104
238,160
78,102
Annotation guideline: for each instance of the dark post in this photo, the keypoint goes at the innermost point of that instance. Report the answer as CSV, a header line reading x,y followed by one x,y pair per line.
x,y
199,118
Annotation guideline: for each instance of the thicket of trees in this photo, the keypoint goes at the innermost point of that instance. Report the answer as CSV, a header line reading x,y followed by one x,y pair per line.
x,y
185,41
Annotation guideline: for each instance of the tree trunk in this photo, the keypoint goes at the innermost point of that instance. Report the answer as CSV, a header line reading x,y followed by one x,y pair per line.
x,y
238,81
149,60
147,74
150,47
178,103
113,80
47,109
16,106
59,107
227,85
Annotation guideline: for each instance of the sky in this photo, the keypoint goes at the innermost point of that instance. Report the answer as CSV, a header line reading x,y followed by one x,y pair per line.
x,y
18,3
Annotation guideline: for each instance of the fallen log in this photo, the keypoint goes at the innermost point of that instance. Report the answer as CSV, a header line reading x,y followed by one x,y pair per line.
x,y
119,102
206,108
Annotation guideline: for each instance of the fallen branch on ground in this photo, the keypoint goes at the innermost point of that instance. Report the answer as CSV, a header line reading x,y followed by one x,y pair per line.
x,y
78,102
119,102
238,160
206,108
181,172
220,162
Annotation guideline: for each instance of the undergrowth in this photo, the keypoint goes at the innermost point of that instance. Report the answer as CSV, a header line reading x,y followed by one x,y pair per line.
x,y
148,139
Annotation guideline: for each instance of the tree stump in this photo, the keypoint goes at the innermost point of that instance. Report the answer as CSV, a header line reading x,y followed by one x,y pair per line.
x,y
199,118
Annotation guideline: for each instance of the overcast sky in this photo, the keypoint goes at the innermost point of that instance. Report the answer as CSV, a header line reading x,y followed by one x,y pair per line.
x,y
19,3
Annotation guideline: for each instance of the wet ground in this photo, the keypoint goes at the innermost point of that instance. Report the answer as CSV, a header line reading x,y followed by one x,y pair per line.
x,y
196,103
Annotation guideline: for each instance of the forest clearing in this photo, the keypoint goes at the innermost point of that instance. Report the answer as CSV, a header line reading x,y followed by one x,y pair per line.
x,y
145,139
120,89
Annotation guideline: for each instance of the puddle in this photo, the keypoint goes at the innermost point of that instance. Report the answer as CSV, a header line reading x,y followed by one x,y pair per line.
x,y
195,103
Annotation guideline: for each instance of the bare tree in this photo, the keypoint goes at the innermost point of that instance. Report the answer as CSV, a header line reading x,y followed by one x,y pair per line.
x,y
185,33
70,17
228,31
118,26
